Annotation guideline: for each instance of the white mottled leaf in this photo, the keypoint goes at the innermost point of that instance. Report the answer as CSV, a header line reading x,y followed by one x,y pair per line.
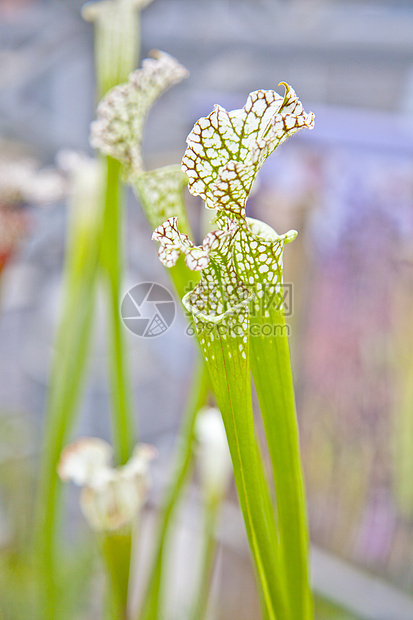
x,y
118,128
174,243
226,149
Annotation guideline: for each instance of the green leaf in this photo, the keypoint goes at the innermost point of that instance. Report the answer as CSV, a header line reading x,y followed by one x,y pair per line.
x,y
220,307
261,267
240,263
270,363
225,348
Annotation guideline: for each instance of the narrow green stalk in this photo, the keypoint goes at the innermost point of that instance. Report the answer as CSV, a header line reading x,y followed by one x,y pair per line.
x,y
228,365
111,261
67,375
116,550
207,559
270,364
117,41
152,604
67,380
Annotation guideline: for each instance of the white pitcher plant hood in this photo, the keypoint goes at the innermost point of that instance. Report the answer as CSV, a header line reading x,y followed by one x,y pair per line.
x,y
224,155
118,132
121,115
111,498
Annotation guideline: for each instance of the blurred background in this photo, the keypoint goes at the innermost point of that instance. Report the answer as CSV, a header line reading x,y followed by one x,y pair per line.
x,y
347,187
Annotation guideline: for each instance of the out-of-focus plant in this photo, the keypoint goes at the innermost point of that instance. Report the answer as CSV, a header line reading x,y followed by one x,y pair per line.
x,y
94,247
118,133
213,457
215,473
69,360
238,306
111,500
117,45
152,605
13,225
117,39
22,182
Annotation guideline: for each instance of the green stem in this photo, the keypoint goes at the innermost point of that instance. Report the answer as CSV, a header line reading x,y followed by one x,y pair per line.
x,y
111,260
271,369
67,375
152,604
117,40
117,551
66,380
207,559
228,365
